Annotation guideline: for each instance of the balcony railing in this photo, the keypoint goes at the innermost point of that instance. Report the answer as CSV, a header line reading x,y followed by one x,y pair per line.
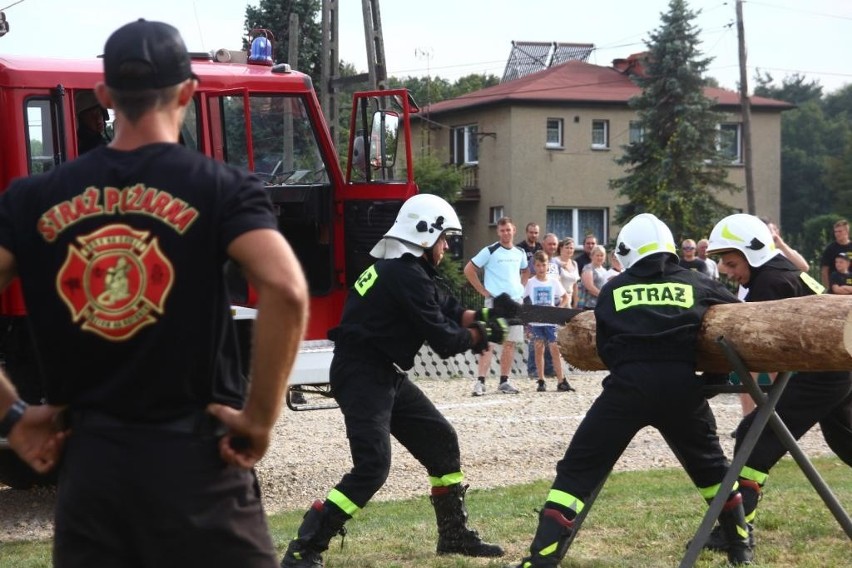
x,y
470,183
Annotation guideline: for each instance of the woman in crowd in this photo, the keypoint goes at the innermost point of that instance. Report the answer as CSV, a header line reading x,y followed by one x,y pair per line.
x,y
570,272
593,278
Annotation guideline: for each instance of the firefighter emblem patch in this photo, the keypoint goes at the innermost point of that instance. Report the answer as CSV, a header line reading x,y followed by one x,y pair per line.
x,y
115,281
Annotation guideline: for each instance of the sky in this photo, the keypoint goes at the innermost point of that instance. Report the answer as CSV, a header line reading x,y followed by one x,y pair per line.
x,y
453,38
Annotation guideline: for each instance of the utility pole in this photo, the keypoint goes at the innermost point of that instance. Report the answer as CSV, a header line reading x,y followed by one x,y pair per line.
x,y
427,53
745,103
330,68
376,65
331,81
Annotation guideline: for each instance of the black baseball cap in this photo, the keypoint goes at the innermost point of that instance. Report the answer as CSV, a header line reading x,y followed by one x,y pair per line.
x,y
146,55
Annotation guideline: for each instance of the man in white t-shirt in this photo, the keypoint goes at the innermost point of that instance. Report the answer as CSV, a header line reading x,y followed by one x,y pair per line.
x,y
505,271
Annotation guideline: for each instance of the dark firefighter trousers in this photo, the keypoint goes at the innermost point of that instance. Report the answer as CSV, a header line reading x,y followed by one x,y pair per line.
x,y
378,402
136,495
665,395
810,398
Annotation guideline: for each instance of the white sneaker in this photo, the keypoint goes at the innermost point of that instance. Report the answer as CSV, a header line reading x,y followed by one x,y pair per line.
x,y
478,388
507,388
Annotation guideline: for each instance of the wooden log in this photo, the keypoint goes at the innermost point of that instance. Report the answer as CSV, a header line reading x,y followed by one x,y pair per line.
x,y
811,333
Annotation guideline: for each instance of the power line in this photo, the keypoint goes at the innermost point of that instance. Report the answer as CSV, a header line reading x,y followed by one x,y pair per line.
x,y
10,5
799,10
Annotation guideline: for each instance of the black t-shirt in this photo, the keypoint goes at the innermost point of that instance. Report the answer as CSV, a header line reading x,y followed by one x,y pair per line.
x,y
582,260
393,308
779,279
529,250
121,259
695,264
840,278
830,253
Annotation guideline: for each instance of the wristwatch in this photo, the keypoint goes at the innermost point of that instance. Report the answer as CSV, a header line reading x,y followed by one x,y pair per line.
x,y
15,412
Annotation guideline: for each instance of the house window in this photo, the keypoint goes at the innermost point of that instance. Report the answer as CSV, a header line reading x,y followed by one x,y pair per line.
x,y
637,132
577,223
600,134
464,144
731,141
554,133
494,215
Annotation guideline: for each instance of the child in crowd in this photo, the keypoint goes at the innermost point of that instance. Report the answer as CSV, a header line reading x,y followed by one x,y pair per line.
x,y
840,281
546,290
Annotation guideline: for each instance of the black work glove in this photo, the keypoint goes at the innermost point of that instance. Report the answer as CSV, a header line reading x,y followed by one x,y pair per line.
x,y
494,331
504,307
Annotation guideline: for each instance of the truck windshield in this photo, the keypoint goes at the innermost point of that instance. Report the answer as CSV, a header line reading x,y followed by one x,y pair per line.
x,y
285,150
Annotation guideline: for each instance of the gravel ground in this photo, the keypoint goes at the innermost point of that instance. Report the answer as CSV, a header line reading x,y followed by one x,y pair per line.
x,y
505,440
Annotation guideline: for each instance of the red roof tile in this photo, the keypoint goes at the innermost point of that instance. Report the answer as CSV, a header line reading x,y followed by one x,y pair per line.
x,y
579,82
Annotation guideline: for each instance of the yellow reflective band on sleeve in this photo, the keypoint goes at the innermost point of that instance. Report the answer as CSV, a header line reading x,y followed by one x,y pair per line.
x,y
343,502
366,280
709,492
566,500
664,294
811,283
447,480
754,475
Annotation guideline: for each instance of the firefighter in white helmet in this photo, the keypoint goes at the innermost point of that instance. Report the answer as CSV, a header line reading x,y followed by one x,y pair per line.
x,y
394,307
648,319
750,257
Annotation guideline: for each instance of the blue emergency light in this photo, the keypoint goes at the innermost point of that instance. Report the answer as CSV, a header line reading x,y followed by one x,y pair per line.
x,y
261,51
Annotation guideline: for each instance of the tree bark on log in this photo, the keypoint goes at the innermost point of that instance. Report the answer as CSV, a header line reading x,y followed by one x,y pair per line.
x,y
811,333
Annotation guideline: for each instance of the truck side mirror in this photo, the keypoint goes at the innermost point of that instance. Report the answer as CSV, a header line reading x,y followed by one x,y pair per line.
x,y
384,139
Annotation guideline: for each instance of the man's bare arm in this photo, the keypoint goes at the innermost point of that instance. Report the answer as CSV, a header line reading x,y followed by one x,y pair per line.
x,y
471,272
272,269
8,394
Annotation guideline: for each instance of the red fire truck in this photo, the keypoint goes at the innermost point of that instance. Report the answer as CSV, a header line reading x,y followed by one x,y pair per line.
x,y
246,112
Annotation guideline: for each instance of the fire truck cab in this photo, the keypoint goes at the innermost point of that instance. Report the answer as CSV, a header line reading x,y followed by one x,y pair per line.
x,y
250,113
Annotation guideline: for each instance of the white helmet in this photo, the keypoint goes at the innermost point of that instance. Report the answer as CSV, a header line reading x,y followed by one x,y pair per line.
x,y
643,236
745,233
421,220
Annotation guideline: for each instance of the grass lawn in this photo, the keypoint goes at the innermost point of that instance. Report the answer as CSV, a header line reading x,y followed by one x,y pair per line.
x,y
641,519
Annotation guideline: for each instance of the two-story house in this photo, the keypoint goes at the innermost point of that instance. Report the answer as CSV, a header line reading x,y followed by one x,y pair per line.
x,y
542,148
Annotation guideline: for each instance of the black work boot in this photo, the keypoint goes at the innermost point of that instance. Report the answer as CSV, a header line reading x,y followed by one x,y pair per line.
x,y
454,537
718,542
319,525
734,528
551,540
751,493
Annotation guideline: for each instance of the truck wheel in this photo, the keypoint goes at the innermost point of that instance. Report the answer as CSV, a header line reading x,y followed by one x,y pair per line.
x,y
18,475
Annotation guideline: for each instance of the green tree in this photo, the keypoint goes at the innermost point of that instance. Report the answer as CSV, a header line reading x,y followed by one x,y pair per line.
x,y
805,147
795,89
838,105
427,90
274,15
444,181
675,170
813,138
839,179
471,83
434,177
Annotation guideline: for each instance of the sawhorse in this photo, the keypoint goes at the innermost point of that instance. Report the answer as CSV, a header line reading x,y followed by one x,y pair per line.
x,y
765,415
